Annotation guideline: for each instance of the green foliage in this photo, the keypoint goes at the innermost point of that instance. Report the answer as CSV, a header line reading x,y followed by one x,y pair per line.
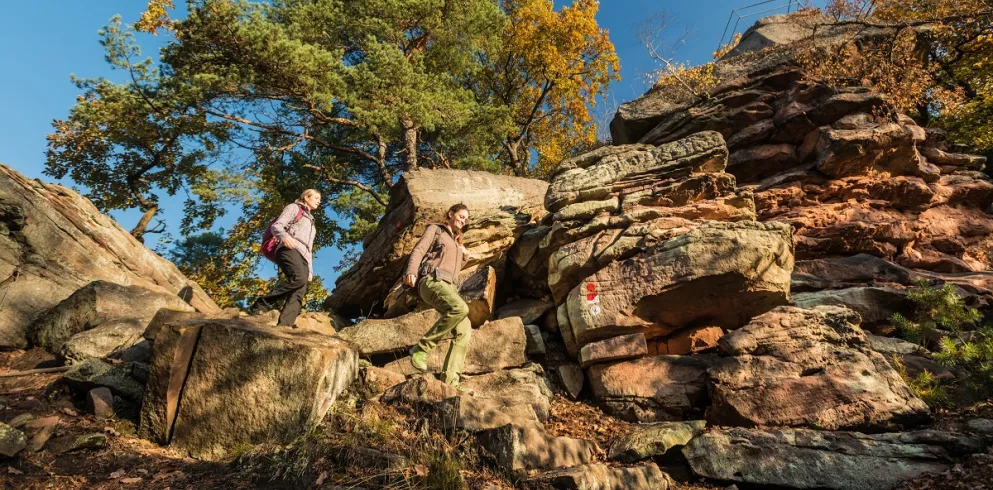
x,y
942,76
254,102
224,271
942,319
934,309
129,142
972,351
925,386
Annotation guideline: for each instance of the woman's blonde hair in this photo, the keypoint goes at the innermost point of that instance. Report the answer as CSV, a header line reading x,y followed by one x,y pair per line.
x,y
307,193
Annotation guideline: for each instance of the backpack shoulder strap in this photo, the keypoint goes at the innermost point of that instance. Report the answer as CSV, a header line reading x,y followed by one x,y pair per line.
x,y
299,214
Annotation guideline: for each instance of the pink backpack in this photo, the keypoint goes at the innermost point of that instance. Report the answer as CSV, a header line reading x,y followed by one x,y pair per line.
x,y
270,242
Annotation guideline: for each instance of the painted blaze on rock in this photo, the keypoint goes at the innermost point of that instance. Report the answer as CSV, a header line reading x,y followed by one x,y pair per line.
x,y
720,274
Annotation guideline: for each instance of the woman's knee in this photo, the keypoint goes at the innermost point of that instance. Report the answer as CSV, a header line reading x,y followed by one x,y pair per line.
x,y
459,309
298,284
463,331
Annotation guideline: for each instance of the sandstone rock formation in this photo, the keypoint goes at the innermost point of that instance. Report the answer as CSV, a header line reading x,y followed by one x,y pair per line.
x,y
644,242
215,384
54,241
847,180
100,318
814,368
501,209
803,458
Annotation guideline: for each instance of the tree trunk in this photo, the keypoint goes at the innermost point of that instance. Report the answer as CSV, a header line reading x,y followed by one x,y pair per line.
x,y
515,159
138,232
410,143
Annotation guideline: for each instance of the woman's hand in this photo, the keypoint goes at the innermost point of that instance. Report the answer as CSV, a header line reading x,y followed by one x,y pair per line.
x,y
463,250
409,280
289,242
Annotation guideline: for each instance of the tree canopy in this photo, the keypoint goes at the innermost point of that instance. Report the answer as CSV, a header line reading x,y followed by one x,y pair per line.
x,y
253,102
942,76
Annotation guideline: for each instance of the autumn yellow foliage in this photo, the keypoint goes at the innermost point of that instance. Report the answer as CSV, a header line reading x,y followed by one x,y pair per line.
x,y
942,75
552,68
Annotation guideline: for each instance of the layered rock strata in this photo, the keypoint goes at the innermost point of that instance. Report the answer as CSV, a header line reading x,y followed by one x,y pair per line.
x,y
501,209
54,241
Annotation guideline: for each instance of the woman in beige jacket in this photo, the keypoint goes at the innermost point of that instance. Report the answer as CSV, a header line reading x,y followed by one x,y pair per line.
x,y
434,266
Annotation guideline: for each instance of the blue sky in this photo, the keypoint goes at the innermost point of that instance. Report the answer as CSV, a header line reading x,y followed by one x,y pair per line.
x,y
42,42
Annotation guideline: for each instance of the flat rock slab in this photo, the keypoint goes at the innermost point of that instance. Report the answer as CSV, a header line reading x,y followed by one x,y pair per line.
x,y
649,440
41,430
793,367
475,415
513,387
804,458
12,441
496,345
613,349
719,274
873,304
70,443
599,175
98,303
602,477
531,448
126,379
393,335
246,384
652,389
530,310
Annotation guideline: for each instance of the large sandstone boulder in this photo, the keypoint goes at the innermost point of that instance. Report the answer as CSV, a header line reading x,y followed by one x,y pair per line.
x,y
501,209
119,314
218,384
496,345
54,241
652,389
794,367
602,477
720,274
803,458
374,336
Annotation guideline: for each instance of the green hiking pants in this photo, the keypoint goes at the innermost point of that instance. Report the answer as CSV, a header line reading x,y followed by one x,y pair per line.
x,y
443,297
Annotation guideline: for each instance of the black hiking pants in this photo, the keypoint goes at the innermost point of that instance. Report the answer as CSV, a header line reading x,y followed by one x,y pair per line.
x,y
292,286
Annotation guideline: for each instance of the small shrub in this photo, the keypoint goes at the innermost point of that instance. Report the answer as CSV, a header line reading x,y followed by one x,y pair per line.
x,y
972,351
925,386
934,309
943,322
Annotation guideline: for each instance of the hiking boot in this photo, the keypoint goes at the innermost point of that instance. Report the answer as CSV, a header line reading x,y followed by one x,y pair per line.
x,y
258,307
463,389
419,359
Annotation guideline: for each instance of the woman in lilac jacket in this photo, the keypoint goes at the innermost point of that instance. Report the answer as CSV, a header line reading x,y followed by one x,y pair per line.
x,y
294,256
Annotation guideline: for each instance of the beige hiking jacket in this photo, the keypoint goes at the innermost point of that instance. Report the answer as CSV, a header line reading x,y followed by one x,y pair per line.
x,y
437,254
